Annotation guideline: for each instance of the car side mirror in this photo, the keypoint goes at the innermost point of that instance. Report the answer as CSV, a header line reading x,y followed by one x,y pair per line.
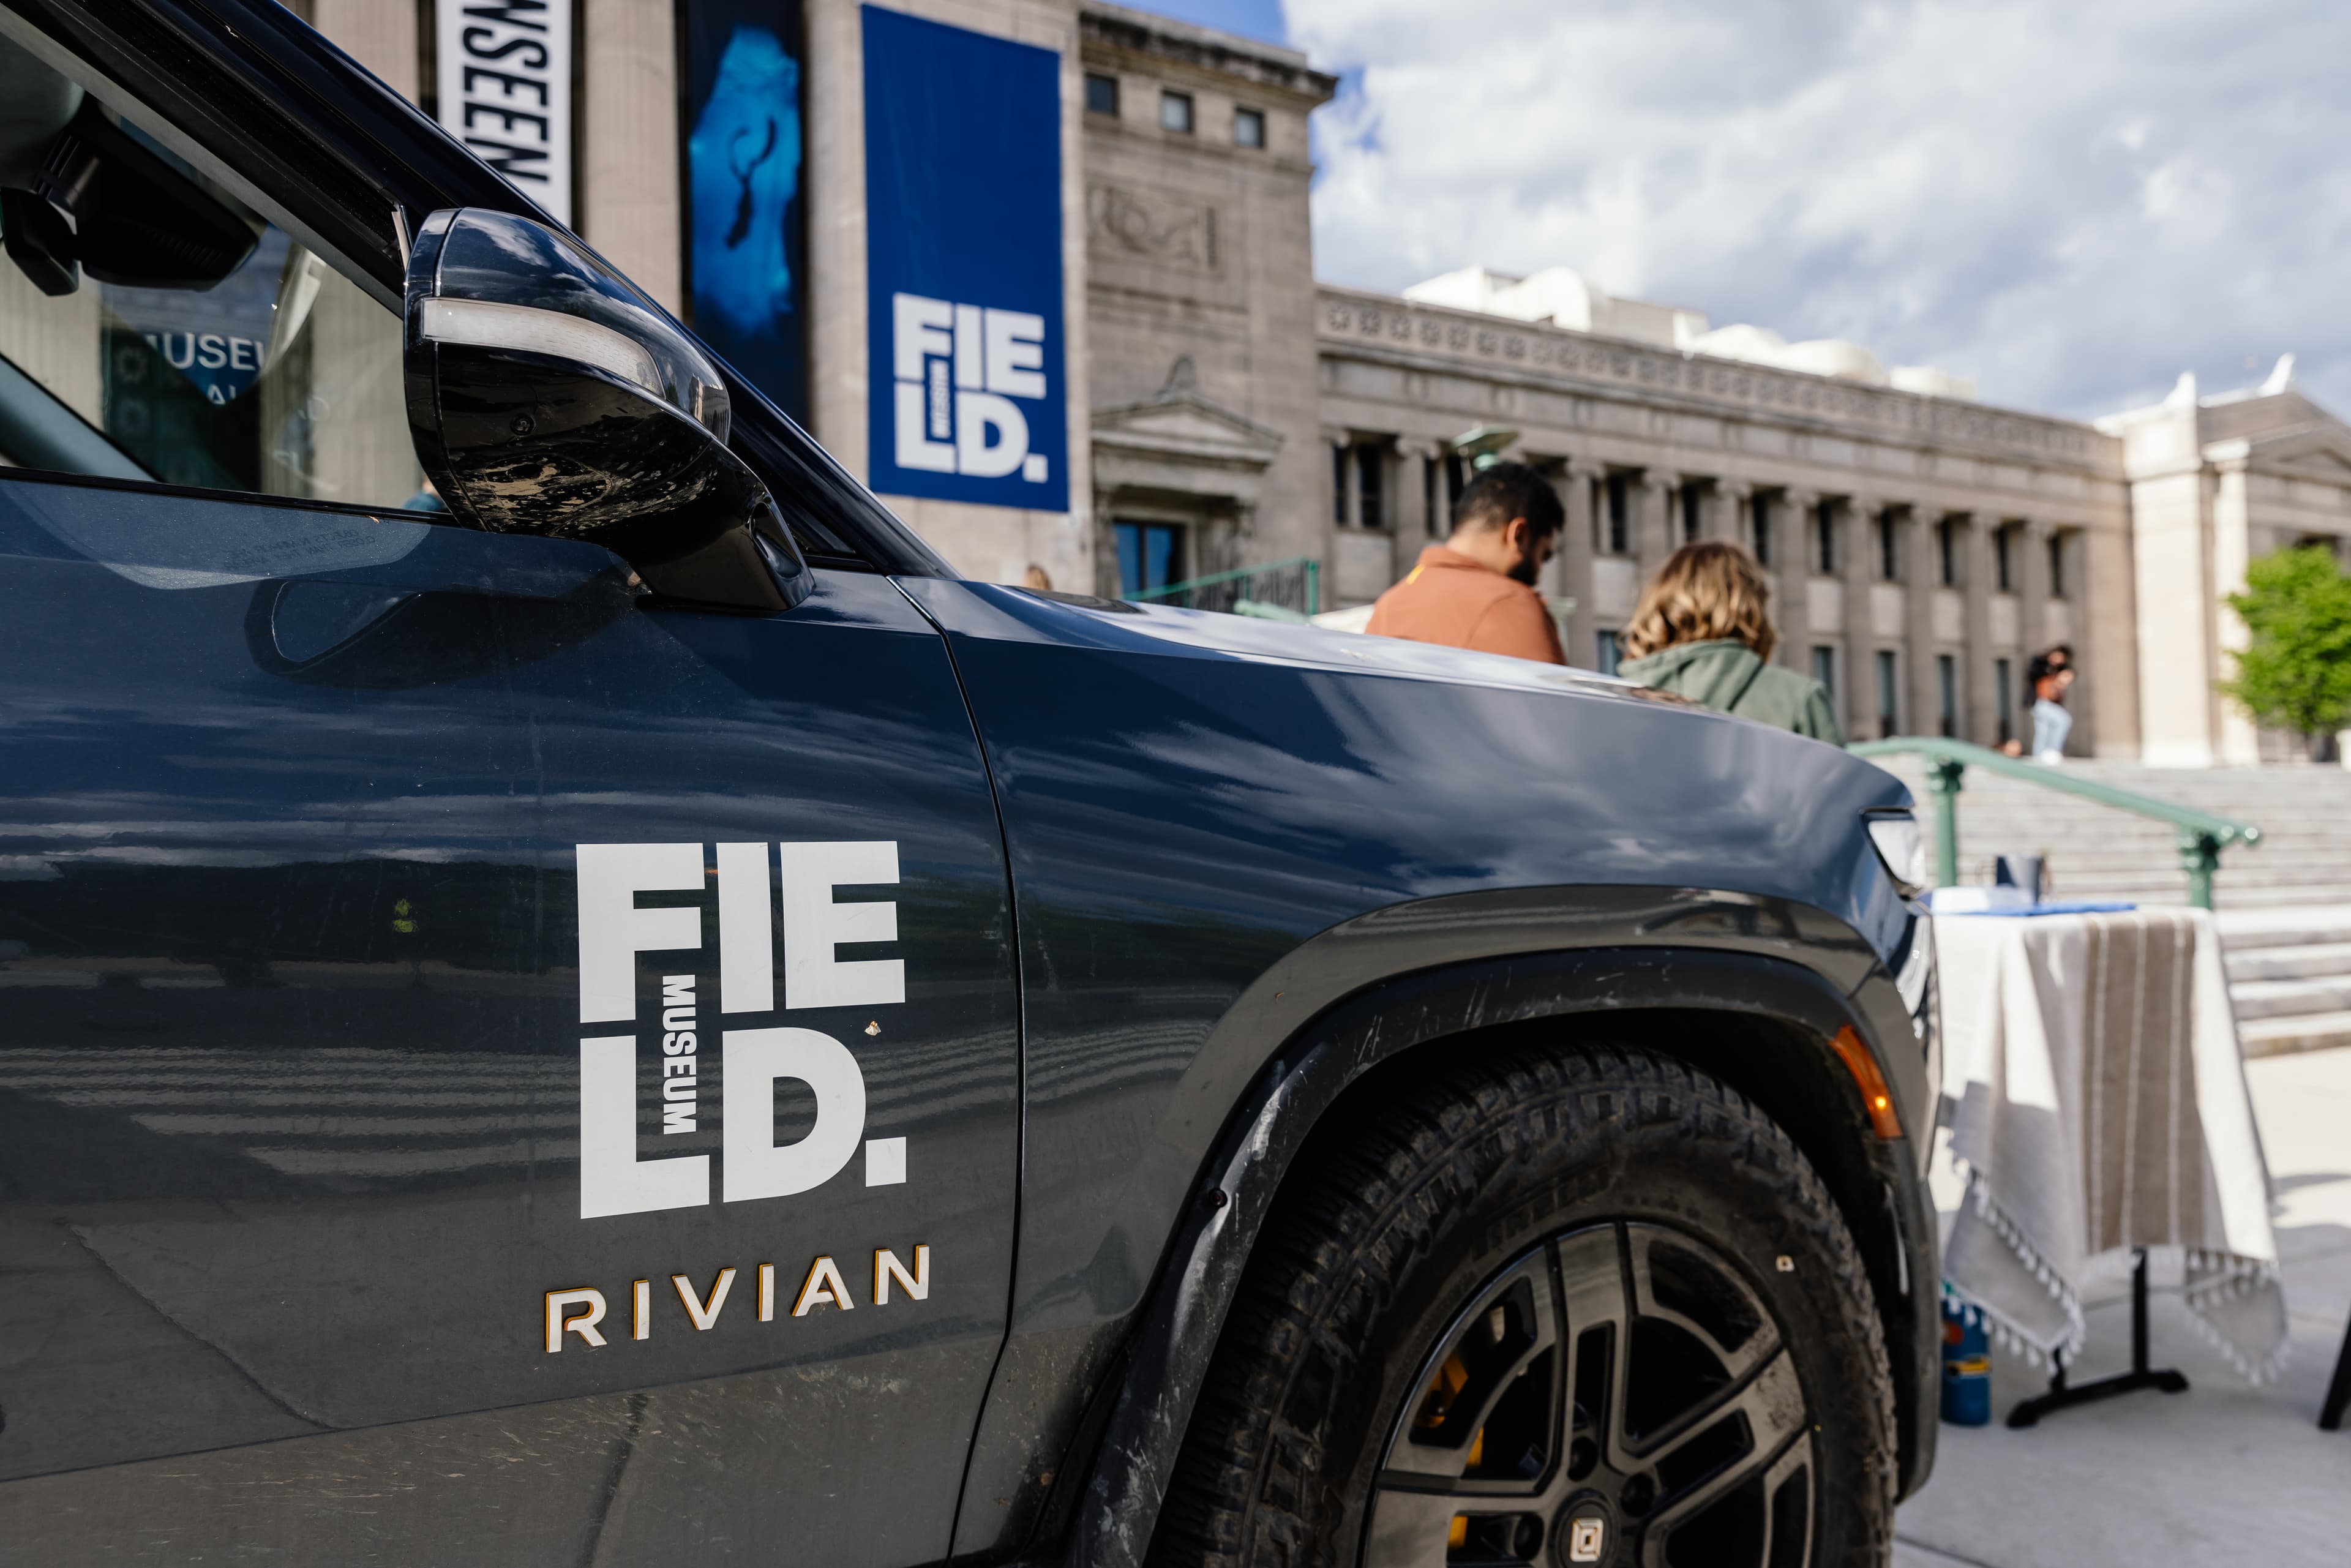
x,y
547,396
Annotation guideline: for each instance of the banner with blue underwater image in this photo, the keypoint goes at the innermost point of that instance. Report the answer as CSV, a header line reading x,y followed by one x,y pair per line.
x,y
967,361
746,226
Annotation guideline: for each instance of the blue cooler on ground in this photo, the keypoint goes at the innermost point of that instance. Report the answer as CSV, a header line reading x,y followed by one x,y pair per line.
x,y
1967,1363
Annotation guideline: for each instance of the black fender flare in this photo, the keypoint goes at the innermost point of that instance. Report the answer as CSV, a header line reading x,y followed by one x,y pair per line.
x,y
1168,1354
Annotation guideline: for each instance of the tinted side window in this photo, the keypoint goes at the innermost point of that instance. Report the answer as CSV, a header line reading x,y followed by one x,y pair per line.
x,y
190,340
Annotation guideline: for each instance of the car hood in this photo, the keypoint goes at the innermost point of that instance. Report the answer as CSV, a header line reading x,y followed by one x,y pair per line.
x,y
1248,637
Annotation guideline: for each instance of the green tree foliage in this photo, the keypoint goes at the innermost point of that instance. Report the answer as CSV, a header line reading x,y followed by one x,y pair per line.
x,y
2296,673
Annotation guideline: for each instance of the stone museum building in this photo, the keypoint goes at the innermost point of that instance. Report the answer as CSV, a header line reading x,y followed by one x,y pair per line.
x,y
1207,407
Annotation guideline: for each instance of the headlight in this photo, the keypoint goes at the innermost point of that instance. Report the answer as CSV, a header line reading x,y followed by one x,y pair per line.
x,y
1903,850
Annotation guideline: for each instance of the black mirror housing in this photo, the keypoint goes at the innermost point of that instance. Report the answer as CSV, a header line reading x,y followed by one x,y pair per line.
x,y
547,396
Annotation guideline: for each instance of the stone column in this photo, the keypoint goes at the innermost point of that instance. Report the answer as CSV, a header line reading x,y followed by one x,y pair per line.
x,y
628,185
384,38
1653,522
2235,739
1727,517
1856,533
1576,557
1980,723
1921,575
2032,607
1412,520
1792,577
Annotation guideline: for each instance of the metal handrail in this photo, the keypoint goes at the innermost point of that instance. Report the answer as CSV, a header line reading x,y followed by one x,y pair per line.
x,y
2202,835
1313,565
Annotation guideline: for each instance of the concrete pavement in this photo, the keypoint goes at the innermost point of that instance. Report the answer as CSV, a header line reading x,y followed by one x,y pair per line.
x,y
2223,1474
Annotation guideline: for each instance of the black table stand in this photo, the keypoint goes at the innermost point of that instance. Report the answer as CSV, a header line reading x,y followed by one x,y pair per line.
x,y
2029,1412
2338,1389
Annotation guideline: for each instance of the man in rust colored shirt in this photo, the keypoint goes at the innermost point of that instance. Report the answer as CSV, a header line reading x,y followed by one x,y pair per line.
x,y
1476,590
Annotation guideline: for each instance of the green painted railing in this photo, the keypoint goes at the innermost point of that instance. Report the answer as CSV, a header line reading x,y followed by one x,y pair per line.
x,y
1292,584
2202,836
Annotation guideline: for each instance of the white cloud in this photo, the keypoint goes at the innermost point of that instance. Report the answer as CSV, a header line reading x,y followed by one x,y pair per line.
x,y
2071,203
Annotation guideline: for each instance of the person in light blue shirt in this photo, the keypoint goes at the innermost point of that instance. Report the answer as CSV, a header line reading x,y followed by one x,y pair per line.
x,y
2050,674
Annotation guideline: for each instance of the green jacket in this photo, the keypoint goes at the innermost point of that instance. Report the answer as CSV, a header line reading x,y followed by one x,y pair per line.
x,y
1726,675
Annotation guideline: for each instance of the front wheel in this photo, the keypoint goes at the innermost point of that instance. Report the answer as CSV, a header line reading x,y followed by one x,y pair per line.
x,y
1557,1308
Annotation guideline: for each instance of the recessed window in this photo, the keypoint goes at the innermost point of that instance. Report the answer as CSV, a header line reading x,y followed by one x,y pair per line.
x,y
2056,566
2002,563
1947,693
1248,127
1889,562
1175,112
1608,652
1759,509
1824,559
1693,514
1150,557
1101,95
1616,516
1889,708
1824,668
1371,485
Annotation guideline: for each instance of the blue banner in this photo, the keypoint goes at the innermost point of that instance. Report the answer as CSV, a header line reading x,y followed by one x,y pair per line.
x,y
745,251
963,223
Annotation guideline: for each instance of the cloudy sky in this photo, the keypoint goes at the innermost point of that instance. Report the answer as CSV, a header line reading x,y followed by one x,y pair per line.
x,y
2072,201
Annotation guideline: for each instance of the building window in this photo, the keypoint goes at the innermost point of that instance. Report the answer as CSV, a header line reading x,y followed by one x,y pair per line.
x,y
2004,699
2056,566
1616,516
1947,547
1824,540
1889,562
1947,693
1607,653
1175,112
1150,556
1101,95
1371,485
1824,669
1759,510
1339,485
1248,127
2002,562
1889,709
1693,513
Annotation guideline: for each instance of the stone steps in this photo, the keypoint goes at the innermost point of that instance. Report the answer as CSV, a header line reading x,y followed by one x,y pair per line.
x,y
2291,998
2284,904
2301,962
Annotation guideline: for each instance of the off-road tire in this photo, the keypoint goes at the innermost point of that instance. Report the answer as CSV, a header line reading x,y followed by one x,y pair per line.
x,y
1390,1227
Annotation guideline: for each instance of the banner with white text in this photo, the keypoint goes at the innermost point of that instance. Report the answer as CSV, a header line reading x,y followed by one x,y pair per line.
x,y
963,223
502,80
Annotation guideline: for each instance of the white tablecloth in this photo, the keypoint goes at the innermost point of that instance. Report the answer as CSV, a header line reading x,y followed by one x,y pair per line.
x,y
2095,1096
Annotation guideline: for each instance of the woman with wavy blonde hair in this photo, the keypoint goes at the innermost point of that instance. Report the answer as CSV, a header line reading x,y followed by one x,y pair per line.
x,y
1703,630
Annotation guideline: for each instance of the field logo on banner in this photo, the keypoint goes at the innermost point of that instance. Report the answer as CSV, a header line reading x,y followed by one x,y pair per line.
x,y
958,369
968,398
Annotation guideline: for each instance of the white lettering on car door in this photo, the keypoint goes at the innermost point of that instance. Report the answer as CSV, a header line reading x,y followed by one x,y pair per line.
x,y
614,929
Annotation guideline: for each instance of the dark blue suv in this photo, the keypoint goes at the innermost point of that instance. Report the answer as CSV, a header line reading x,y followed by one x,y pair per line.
x,y
569,995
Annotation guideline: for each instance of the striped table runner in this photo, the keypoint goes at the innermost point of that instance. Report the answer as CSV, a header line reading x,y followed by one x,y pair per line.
x,y
2096,1100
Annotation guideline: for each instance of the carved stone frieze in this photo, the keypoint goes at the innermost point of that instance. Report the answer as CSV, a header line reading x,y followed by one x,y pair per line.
x,y
1150,227
1348,317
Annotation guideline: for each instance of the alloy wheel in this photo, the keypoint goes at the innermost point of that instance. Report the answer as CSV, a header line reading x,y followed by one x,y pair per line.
x,y
1618,1396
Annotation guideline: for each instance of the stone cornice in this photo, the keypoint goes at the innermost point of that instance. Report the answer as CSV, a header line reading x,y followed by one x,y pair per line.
x,y
1425,337
1265,67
